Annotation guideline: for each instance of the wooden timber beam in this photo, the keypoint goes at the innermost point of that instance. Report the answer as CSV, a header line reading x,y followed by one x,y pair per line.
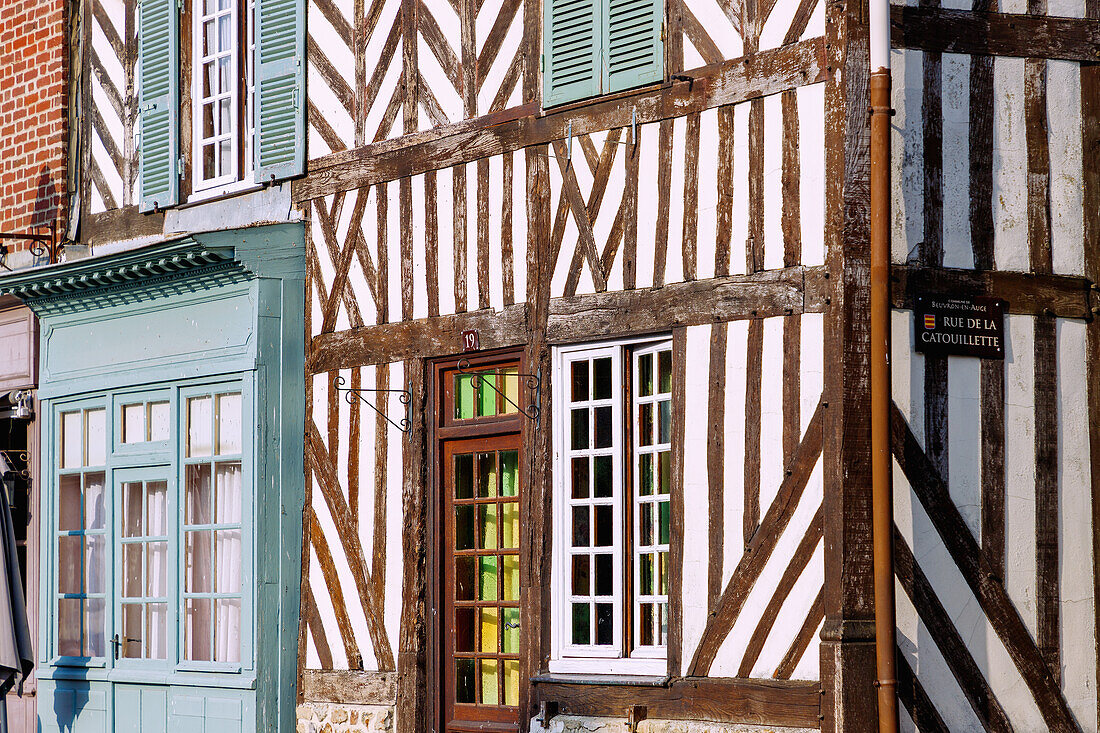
x,y
723,700
787,291
994,34
729,82
349,686
1027,293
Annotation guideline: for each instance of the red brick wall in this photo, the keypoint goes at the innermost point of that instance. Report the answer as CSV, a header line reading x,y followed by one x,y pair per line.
x,y
32,114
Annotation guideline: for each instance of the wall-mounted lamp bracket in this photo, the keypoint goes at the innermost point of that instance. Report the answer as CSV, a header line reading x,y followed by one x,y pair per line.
x,y
357,393
530,381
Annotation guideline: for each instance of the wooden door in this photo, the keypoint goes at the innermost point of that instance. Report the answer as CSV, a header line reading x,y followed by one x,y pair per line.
x,y
479,664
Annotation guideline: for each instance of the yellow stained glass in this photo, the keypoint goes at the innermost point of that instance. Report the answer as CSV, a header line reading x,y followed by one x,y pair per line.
x,y
511,682
488,677
509,568
487,521
509,525
511,390
487,569
490,625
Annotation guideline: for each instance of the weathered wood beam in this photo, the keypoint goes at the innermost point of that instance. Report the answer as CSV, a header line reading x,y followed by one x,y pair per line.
x,y
723,700
122,223
1027,293
737,80
994,34
349,686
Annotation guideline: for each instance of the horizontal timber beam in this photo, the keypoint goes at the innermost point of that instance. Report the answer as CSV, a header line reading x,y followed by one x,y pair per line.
x,y
1027,293
723,700
994,34
787,291
349,686
739,80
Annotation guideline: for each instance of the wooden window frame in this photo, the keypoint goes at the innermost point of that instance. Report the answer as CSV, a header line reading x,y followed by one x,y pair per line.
x,y
621,658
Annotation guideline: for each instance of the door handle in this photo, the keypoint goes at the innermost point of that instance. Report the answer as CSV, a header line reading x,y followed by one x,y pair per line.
x,y
510,625
116,644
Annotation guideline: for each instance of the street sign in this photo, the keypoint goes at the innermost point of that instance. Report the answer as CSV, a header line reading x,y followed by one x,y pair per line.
x,y
960,325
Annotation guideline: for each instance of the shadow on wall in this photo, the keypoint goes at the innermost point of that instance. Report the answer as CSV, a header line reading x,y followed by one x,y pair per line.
x,y
47,199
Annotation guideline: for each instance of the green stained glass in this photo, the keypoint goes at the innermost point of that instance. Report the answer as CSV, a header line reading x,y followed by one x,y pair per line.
x,y
487,574
509,473
465,394
486,395
662,524
509,570
510,634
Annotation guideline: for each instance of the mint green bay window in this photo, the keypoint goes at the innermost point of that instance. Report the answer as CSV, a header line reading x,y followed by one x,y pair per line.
x,y
172,450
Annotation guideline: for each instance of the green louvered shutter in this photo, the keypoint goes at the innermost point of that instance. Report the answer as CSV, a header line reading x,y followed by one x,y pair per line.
x,y
280,89
634,51
158,104
571,55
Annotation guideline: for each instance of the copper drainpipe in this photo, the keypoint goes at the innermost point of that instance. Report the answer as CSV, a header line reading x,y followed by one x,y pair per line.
x,y
881,490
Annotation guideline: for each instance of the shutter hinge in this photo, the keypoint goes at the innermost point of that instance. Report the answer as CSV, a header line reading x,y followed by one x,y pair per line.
x,y
179,4
297,100
179,166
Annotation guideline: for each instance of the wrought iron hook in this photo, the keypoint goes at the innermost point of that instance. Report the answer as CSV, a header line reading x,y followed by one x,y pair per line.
x,y
531,381
403,396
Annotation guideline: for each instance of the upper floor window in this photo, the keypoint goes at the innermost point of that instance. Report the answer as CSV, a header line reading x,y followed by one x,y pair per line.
x,y
613,452
221,93
594,47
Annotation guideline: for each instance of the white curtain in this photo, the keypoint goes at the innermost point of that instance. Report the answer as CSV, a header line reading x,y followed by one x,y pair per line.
x,y
227,565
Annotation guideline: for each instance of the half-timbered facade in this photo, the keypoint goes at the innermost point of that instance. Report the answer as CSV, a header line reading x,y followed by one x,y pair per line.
x,y
586,433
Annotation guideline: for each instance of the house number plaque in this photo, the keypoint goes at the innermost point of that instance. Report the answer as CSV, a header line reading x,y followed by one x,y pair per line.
x,y
470,341
960,325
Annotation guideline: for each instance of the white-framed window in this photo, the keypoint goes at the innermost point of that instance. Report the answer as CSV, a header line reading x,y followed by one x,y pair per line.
x,y
612,451
222,87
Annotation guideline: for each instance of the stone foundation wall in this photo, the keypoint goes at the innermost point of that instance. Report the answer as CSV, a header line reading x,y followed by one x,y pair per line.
x,y
584,724
324,717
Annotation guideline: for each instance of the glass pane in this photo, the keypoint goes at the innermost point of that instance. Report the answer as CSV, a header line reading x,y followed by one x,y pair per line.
x,y
159,421
156,635
156,508
602,373
95,451
645,575
511,681
509,525
605,575
486,475
464,476
227,630
132,585
70,552
579,374
199,494
664,361
645,423
603,427
225,32
486,395
156,570
94,641
464,629
227,499
664,421
580,477
579,433
224,75
68,627
133,510
133,423
662,533
662,573
465,582
604,526
208,160
229,424
464,680
208,36
487,526
664,472
511,391
509,640
488,629
580,526
602,488
95,513
71,439
509,581
464,396
199,426
69,503
227,570
509,473
605,624
645,622
645,474
197,628
225,150
197,565
662,624
487,572
132,629
645,525
582,633
464,527
645,374
95,560
488,680
580,575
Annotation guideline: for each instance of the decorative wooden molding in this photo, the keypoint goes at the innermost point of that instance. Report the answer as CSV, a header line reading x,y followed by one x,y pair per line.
x,y
749,77
1027,293
349,686
725,700
994,34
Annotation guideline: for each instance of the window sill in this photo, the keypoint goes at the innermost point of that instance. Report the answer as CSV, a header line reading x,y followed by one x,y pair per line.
x,y
594,667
